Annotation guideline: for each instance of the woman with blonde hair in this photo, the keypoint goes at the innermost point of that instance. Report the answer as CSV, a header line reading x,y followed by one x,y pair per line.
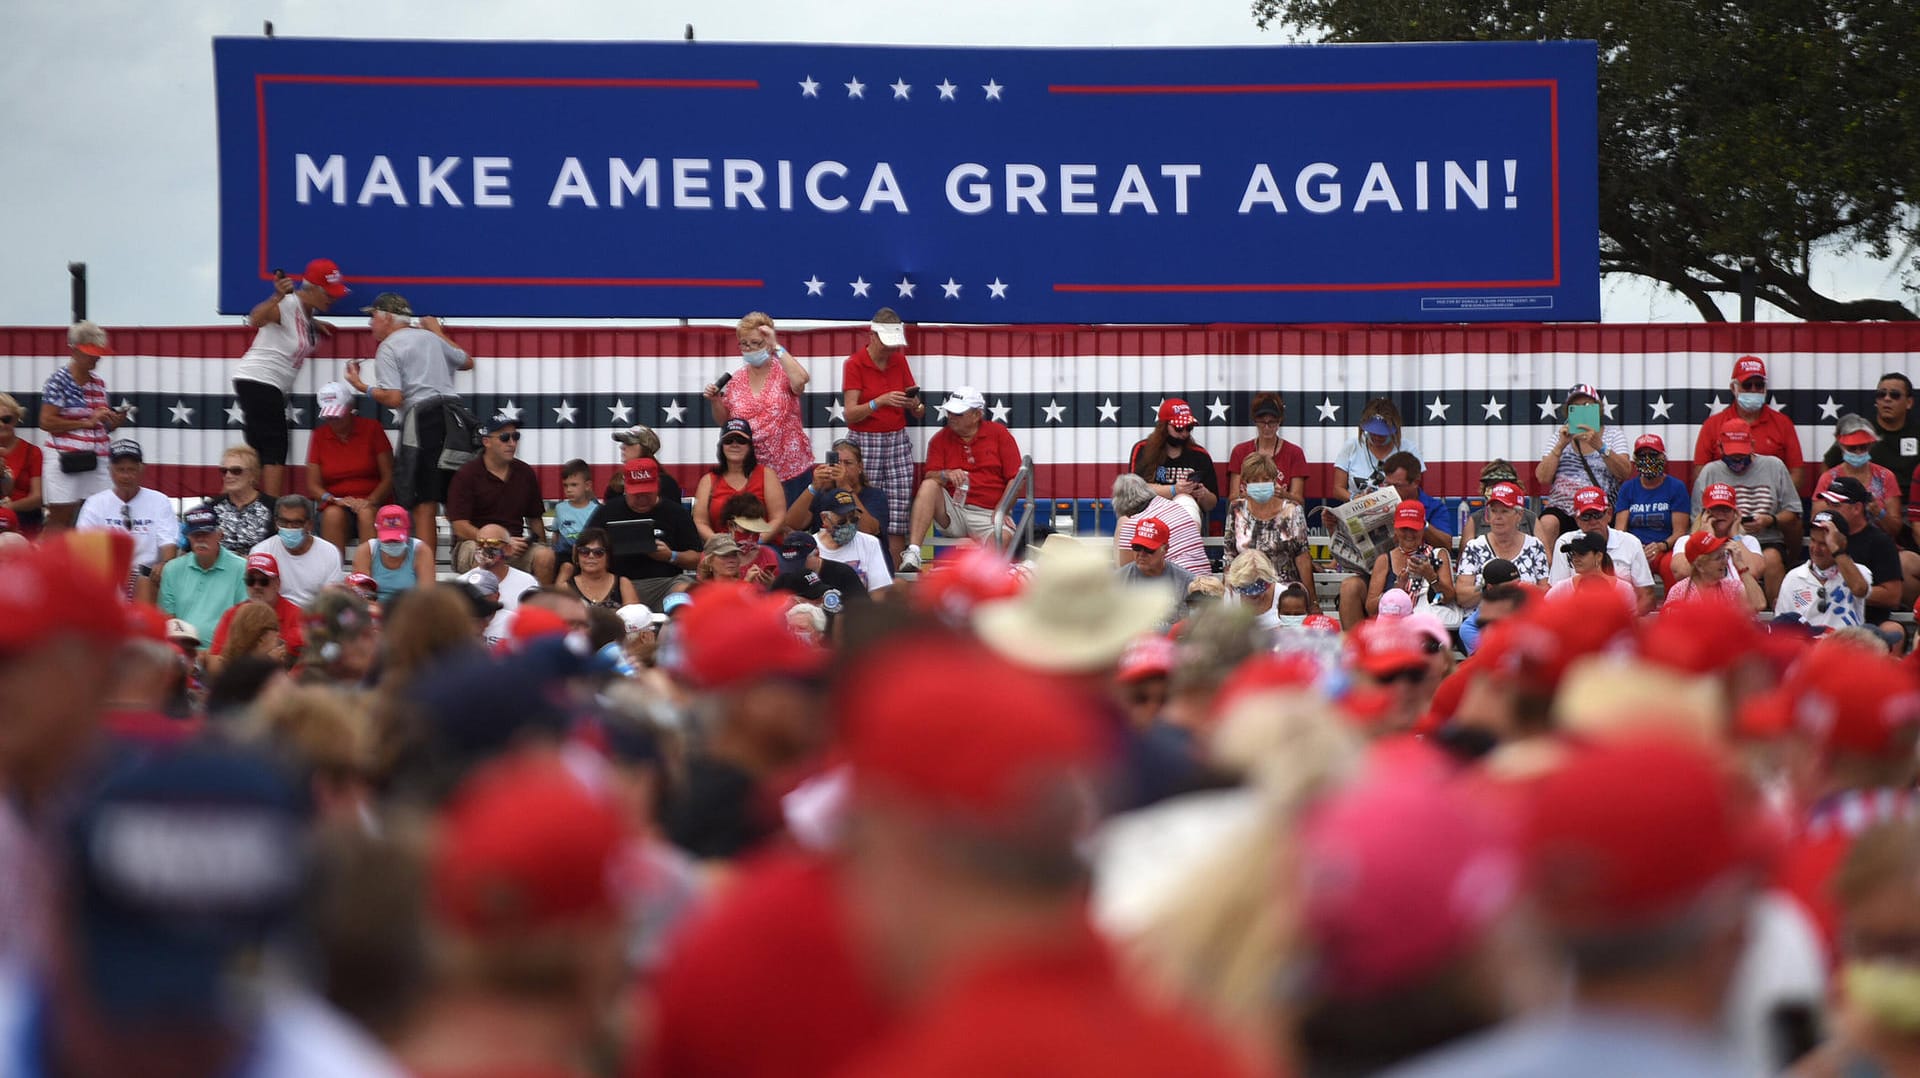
x,y
246,515
767,394
1260,518
23,459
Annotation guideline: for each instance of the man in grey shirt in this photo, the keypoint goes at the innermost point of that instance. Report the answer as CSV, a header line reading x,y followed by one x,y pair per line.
x,y
413,373
1764,493
1150,559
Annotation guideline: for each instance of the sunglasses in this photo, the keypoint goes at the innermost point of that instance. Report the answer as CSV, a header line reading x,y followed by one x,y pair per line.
x,y
593,552
1597,515
1822,602
736,441
1412,675
8,420
1754,385
234,471
491,546
258,581
1888,395
1142,551
509,436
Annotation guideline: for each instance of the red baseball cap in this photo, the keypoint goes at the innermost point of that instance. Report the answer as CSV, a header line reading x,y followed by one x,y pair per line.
x,y
1650,443
1633,829
1148,656
264,563
1705,543
1385,645
1700,638
1176,413
737,634
392,524
1749,367
1507,494
1410,514
532,623
1266,672
525,844
642,475
1587,499
1849,699
954,585
1537,646
323,272
1020,737
1718,494
1403,872
146,622
1736,432
1151,533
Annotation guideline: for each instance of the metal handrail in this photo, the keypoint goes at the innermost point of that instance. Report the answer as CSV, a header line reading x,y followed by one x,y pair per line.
x,y
1024,477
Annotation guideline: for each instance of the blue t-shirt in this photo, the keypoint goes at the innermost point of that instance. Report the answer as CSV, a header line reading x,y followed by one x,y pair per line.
x,y
1650,512
568,519
1442,514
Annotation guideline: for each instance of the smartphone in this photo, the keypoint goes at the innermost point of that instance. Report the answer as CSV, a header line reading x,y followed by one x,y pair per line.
x,y
833,458
1746,518
1583,419
913,391
721,382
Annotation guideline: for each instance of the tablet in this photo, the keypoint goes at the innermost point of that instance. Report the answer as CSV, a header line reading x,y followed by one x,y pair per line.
x,y
630,537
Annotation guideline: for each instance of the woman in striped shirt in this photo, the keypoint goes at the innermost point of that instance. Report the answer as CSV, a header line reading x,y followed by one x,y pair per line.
x,y
78,421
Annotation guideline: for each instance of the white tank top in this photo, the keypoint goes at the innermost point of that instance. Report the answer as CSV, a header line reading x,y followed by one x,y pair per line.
x,y
280,348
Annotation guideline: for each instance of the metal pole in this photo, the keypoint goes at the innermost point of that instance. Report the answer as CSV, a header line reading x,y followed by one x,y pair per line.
x,y
1749,282
78,270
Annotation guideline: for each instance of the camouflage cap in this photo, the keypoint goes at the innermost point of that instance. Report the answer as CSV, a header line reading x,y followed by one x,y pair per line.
x,y
390,303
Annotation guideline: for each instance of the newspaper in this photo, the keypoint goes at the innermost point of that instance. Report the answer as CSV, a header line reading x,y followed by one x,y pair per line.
x,y
1362,529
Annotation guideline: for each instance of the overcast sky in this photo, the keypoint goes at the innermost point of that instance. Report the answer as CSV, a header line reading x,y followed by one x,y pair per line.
x,y
107,150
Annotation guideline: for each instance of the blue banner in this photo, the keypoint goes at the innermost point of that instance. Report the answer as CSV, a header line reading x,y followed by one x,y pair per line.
x,y
1390,183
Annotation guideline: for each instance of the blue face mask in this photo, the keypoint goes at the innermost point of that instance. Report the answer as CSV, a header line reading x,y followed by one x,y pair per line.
x,y
1738,465
1751,402
843,533
1260,492
757,358
292,537
1856,460
393,548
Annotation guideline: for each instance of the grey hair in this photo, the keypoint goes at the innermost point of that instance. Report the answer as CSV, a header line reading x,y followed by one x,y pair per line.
x,y
297,501
1130,494
85,332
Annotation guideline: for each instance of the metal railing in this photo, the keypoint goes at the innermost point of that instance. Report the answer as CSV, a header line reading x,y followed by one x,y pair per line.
x,y
1024,529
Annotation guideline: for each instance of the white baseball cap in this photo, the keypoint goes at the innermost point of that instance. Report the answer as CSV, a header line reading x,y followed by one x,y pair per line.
x,y
336,400
638,616
891,334
963,399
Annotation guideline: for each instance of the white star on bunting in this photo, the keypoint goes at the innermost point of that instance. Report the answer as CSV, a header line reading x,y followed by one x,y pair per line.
x,y
510,410
1606,407
1661,407
997,290
621,413
297,416
127,407
1109,411
1216,410
1494,409
182,414
856,88
993,90
563,413
901,87
393,418
814,285
1000,411
1438,410
1774,404
1054,410
950,290
905,288
836,412
235,416
1329,411
673,411
809,88
859,286
1830,408
1715,404
1549,408
946,89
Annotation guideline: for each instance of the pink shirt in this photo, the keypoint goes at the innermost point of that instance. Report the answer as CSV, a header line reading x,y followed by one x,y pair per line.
x,y
1728,590
779,436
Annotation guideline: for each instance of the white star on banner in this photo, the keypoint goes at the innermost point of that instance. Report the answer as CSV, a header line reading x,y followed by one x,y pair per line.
x,y
182,414
950,290
1216,410
1438,410
856,88
905,288
859,286
1661,407
235,416
563,413
1494,409
1830,408
1606,407
997,290
1109,411
946,90
510,410
1329,411
809,88
1774,404
836,412
673,411
901,88
993,90
1000,411
298,420
1054,410
1715,404
621,413
1549,408
393,417
127,407
814,285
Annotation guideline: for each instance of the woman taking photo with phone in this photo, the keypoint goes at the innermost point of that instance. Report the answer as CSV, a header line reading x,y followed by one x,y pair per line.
x,y
78,422
766,393
1584,452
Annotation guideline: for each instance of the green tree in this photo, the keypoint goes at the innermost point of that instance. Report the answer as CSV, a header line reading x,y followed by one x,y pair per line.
x,y
1729,129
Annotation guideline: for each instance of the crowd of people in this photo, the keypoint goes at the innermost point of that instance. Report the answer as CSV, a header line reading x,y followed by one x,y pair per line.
x,y
735,781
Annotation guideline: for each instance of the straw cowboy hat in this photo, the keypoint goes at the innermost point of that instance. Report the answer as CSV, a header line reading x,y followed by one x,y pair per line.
x,y
1075,615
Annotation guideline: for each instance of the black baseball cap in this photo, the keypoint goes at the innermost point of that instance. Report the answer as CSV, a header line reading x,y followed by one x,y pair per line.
x,y
1496,572
1844,489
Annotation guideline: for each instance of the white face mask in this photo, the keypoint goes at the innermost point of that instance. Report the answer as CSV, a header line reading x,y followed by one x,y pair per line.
x,y
757,358
1291,621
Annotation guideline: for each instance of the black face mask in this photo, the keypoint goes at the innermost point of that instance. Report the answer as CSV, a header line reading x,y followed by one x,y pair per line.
x,y
1176,437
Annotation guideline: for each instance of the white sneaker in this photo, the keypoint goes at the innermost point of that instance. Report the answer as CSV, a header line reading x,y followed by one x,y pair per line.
x,y
910,560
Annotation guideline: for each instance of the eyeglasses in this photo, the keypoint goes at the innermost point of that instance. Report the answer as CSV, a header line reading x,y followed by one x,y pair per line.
x,y
254,581
1821,602
1596,515
593,551
126,516
736,441
283,522
1412,675
1754,385
8,420
1142,551
509,436
234,471
491,546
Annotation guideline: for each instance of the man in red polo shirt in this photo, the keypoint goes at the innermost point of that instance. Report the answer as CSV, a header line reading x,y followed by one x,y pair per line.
x,y
878,392
349,466
1773,433
969,464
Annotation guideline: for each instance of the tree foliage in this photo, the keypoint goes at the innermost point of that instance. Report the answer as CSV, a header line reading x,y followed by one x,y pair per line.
x,y
1733,129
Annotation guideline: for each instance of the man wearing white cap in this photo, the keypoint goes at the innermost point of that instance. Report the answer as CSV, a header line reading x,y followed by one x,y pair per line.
x,y
349,466
879,394
969,464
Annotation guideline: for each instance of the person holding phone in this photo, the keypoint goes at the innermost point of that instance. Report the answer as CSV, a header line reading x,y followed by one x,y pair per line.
x,y
874,393
766,392
79,422
1584,452
285,336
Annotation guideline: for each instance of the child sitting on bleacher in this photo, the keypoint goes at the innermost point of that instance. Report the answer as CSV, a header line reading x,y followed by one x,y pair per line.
x,y
570,515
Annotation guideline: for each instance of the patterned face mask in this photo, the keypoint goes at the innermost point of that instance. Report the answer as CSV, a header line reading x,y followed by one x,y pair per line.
x,y
1650,466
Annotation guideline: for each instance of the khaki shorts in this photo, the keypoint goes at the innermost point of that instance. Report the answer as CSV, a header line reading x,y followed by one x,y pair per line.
x,y
967,521
464,550
59,488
